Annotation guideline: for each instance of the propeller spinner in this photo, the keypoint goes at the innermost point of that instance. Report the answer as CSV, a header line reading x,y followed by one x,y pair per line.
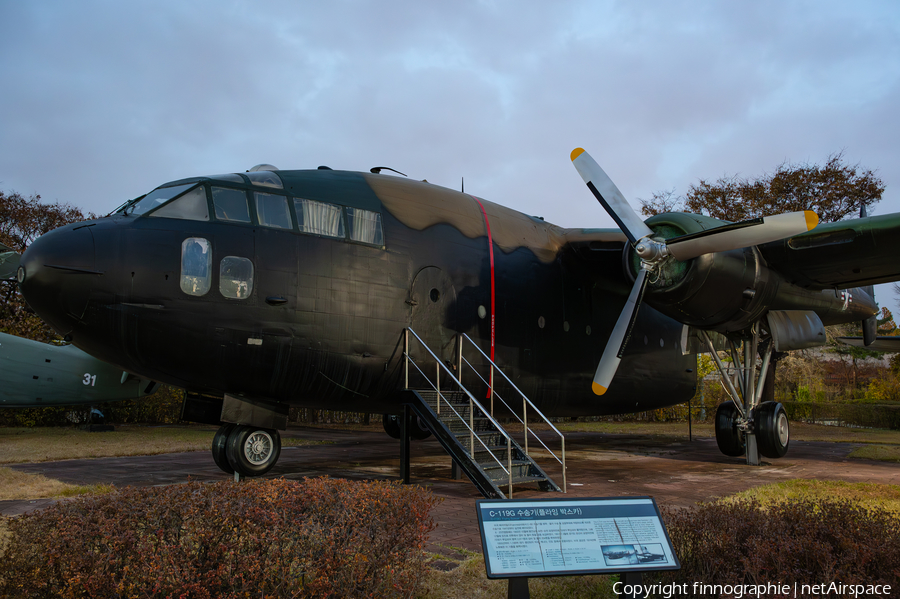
x,y
654,252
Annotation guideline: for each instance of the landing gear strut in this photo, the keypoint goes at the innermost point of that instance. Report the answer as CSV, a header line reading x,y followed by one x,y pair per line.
x,y
246,450
746,425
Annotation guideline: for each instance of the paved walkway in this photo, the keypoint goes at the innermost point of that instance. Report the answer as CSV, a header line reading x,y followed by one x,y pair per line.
x,y
676,473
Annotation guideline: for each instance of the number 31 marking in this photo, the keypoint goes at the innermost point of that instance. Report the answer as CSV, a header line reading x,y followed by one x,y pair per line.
x,y
89,379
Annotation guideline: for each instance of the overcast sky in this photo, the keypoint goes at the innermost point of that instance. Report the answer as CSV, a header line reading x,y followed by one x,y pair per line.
x,y
103,100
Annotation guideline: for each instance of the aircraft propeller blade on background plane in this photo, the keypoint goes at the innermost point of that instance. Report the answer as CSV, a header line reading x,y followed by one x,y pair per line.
x,y
653,252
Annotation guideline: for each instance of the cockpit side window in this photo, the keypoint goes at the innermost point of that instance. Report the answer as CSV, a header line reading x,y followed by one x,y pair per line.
x,y
196,263
236,277
319,218
231,204
272,210
365,226
190,206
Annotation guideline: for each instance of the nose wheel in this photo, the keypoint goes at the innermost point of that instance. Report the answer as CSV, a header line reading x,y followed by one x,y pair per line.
x,y
246,450
219,445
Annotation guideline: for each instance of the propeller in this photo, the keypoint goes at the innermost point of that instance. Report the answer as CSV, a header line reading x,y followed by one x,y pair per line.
x,y
654,252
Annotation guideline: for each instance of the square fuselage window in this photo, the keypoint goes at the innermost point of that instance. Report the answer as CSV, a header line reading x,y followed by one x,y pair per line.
x,y
273,210
365,226
236,277
231,204
319,218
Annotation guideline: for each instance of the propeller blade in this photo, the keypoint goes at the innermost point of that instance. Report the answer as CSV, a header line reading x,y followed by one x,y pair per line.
x,y
609,196
743,234
621,333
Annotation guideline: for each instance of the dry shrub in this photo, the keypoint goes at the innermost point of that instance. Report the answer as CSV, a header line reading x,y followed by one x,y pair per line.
x,y
266,538
805,541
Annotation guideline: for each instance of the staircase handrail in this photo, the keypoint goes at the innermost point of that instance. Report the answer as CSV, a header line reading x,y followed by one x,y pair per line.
x,y
561,460
463,420
503,401
472,400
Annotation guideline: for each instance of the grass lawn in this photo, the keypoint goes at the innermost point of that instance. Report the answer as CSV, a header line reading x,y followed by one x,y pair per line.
x,y
872,495
23,485
800,431
43,444
46,444
29,445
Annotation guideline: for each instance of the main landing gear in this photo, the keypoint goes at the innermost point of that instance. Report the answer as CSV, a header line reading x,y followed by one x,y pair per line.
x,y
246,450
391,423
769,423
746,424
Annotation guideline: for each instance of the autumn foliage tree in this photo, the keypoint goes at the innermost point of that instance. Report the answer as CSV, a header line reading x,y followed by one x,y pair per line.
x,y
22,220
834,191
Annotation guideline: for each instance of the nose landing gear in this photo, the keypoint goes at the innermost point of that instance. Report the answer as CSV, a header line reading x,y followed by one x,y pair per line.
x,y
246,450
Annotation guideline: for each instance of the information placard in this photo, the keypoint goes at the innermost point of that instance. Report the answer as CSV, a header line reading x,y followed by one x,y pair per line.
x,y
555,537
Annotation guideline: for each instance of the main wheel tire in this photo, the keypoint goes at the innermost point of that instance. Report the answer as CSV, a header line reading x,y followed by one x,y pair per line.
x,y
418,431
391,423
773,430
729,437
252,451
219,448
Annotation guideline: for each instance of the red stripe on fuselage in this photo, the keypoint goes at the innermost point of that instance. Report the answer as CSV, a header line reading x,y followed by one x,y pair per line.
x,y
487,225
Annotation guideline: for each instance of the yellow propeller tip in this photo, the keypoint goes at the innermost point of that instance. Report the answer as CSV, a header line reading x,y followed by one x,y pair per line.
x,y
812,219
576,153
598,389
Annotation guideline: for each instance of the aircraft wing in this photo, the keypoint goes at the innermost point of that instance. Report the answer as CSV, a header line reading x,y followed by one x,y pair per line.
x,y
841,255
885,344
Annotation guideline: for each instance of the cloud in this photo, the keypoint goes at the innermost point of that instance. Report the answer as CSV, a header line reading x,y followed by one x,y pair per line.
x,y
104,101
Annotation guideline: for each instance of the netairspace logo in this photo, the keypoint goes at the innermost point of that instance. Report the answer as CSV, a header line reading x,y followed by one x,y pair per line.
x,y
672,589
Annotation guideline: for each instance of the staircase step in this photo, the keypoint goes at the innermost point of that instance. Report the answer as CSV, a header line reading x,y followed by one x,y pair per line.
x,y
489,455
460,427
487,439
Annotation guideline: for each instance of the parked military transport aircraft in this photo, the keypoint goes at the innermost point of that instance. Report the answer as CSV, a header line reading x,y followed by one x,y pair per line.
x,y
261,290
35,374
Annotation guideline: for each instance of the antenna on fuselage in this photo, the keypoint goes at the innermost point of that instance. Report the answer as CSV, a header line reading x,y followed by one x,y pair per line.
x,y
377,170
463,190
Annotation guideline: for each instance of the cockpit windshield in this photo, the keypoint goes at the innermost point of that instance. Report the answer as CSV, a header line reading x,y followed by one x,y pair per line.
x,y
155,198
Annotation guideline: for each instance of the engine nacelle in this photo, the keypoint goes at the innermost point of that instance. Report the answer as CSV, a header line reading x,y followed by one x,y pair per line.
x,y
729,291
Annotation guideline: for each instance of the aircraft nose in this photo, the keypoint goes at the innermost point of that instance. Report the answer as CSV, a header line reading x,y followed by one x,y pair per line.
x,y
56,275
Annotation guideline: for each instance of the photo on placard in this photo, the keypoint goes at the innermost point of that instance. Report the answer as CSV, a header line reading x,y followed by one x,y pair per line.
x,y
652,552
617,555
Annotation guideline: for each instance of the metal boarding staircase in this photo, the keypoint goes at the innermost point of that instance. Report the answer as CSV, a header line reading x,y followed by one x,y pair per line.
x,y
479,445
